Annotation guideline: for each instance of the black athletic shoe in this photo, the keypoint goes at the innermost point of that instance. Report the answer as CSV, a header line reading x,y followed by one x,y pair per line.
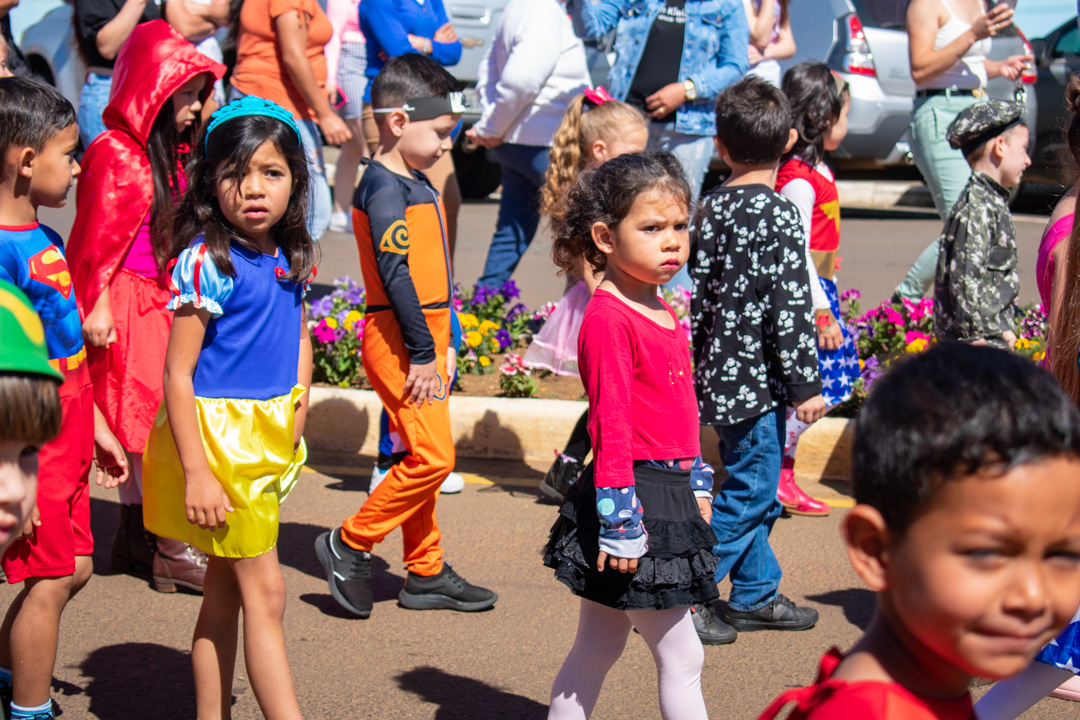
x,y
563,473
445,591
710,628
780,614
348,572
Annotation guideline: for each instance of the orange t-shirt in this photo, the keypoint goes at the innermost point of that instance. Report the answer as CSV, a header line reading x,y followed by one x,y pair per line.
x,y
260,69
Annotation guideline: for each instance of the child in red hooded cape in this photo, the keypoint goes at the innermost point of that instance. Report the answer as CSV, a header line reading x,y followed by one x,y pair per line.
x,y
133,174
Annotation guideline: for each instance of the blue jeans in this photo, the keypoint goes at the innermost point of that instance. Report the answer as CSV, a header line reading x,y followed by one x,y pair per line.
x,y
319,202
694,153
92,101
746,507
523,168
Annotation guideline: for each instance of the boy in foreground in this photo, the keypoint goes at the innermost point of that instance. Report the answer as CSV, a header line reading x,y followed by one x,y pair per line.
x,y
977,280
967,476
401,234
755,352
38,138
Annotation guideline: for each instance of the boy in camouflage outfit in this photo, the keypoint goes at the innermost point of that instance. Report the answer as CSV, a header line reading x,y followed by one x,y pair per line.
x,y
977,280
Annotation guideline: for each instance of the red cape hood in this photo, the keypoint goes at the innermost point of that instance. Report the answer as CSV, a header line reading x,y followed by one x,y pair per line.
x,y
116,187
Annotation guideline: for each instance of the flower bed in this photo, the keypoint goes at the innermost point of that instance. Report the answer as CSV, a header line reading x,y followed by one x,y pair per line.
x,y
893,330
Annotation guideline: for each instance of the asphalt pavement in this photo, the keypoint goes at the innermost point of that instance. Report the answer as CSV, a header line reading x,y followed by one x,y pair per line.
x,y
124,648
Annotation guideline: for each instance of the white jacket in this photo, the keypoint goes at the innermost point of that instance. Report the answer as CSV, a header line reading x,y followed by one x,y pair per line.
x,y
535,66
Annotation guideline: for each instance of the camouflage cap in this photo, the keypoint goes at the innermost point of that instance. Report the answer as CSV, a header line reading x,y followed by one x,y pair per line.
x,y
983,122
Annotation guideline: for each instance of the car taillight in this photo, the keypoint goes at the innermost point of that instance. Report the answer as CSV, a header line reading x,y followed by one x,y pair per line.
x,y
858,59
1030,74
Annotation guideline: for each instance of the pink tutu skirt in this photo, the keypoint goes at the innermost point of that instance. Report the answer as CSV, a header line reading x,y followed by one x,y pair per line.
x,y
555,347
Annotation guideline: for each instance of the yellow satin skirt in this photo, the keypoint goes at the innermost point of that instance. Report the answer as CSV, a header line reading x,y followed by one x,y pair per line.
x,y
249,445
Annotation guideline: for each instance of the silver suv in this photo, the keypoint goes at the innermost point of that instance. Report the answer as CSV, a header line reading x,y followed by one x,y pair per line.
x,y
865,42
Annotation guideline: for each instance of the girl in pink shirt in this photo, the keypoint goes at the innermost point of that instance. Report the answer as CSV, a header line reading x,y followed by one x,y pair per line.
x,y
632,539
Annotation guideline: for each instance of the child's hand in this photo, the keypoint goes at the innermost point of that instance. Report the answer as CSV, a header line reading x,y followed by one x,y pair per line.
x,y
1010,337
109,455
32,522
812,410
451,366
98,328
830,336
421,382
206,501
623,565
705,506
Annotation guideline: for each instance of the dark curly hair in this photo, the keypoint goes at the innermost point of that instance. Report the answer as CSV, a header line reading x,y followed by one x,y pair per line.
x,y
606,195
816,96
225,155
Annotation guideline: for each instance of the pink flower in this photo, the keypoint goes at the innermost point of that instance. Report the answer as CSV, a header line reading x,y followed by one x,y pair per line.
x,y
913,335
893,316
324,333
360,328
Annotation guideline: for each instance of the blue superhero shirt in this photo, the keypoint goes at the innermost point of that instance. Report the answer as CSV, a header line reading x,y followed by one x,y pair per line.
x,y
32,258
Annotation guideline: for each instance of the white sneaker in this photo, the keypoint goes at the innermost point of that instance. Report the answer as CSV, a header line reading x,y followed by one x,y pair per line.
x,y
377,476
340,222
453,484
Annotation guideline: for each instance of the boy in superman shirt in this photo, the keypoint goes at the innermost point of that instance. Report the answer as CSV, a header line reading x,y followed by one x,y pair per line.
x,y
38,138
401,234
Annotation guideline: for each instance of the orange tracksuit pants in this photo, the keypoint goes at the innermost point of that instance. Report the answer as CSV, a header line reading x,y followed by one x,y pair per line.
x,y
406,497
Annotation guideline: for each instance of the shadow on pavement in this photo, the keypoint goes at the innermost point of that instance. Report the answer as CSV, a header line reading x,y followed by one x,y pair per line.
x,y
465,697
134,681
858,604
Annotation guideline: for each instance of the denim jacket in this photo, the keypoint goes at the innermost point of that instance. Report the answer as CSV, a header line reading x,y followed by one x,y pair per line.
x,y
714,52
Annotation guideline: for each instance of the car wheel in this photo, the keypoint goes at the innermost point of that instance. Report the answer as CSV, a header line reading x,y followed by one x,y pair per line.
x,y
40,69
477,176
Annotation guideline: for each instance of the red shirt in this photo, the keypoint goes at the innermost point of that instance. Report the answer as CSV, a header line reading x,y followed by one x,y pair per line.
x,y
825,219
829,699
641,389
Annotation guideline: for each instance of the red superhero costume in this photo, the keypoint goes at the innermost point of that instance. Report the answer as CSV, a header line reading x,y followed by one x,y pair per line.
x,y
112,208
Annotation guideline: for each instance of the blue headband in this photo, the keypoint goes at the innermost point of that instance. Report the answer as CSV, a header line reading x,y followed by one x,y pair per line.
x,y
250,105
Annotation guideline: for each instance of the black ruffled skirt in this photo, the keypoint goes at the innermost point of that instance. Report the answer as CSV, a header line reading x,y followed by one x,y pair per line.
x,y
678,567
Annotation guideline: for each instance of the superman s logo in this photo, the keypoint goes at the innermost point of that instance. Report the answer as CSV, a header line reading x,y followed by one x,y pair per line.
x,y
396,239
50,268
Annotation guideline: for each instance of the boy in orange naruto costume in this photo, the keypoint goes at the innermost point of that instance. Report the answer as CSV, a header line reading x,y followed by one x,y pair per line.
x,y
401,235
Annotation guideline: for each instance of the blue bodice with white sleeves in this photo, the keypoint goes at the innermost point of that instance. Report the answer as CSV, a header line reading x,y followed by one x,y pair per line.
x,y
252,343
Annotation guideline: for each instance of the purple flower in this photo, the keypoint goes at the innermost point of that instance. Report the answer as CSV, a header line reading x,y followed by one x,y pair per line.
x,y
516,312
322,307
509,290
850,294
355,295
481,295
504,338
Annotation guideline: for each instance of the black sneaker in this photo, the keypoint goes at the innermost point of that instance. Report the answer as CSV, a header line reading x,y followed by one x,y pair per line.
x,y
563,473
780,614
445,591
710,628
348,572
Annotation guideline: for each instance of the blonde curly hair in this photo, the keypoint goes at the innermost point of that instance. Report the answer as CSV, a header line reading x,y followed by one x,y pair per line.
x,y
583,124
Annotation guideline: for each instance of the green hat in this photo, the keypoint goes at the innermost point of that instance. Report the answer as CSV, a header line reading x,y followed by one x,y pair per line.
x,y
982,122
23,348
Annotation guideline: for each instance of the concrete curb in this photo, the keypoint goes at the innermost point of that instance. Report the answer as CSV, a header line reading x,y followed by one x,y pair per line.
x,y
883,194
343,424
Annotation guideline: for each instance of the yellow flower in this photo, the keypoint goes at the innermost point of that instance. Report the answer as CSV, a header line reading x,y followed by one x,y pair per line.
x,y
485,361
473,338
487,326
351,319
331,323
494,345
468,321
1024,344
916,346
862,363
1039,356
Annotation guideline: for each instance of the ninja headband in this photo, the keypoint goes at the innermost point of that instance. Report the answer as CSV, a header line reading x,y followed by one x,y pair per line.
x,y
250,105
429,108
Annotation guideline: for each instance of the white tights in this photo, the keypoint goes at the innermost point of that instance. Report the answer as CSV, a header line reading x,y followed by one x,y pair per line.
x,y
795,429
601,637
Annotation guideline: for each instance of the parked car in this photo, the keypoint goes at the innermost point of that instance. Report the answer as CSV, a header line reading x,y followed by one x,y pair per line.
x,y
1057,56
866,43
51,50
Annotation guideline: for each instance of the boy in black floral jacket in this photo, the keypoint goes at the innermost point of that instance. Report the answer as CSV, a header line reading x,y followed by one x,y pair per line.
x,y
755,351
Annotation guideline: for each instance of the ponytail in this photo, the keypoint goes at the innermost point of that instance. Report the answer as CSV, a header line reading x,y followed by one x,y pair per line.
x,y
585,122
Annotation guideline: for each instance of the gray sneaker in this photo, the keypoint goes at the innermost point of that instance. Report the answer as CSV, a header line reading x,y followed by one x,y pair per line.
x,y
348,572
445,591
